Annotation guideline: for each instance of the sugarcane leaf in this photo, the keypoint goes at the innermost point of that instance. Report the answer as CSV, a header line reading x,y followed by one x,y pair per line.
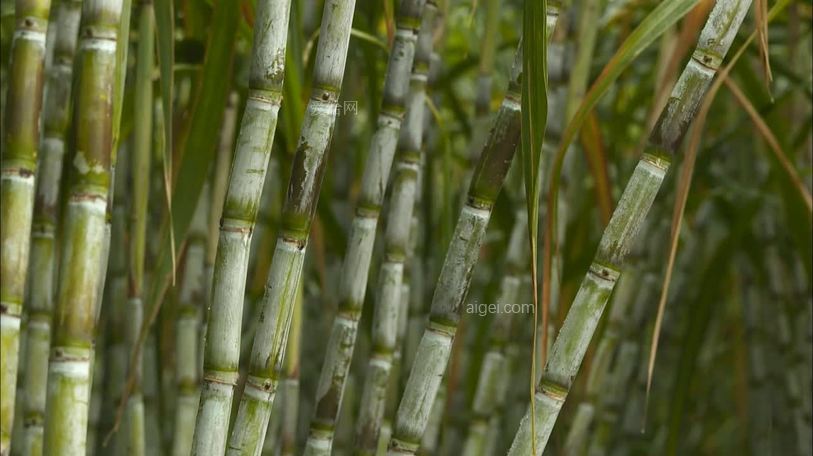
x,y
534,120
534,109
204,128
165,31
121,71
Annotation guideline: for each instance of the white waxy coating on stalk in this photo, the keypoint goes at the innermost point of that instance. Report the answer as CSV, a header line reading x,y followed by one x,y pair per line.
x,y
413,413
34,36
357,259
68,375
252,153
22,87
355,268
455,276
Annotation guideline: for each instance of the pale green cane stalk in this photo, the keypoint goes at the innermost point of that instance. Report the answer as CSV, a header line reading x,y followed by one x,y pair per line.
x,y
81,253
140,172
493,373
308,169
220,181
399,218
191,296
289,386
222,344
52,150
356,265
571,344
435,346
21,138
575,443
393,391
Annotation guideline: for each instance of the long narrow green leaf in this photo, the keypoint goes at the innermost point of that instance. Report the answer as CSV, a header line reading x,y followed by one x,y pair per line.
x,y
534,119
200,150
165,31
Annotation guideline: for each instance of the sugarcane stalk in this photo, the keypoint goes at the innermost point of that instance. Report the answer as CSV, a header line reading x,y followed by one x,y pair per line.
x,y
52,150
220,181
21,138
253,149
393,391
140,172
297,215
601,363
81,253
290,383
191,296
399,218
435,346
571,344
356,265
493,370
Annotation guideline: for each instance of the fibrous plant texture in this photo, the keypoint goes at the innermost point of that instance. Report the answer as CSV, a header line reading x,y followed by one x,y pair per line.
x,y
430,227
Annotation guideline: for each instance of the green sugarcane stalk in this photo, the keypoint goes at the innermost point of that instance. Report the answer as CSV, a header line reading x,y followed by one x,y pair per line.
x,y
625,305
297,215
393,392
19,165
435,346
289,386
52,150
140,173
571,344
222,344
192,295
220,181
356,265
493,376
399,218
81,253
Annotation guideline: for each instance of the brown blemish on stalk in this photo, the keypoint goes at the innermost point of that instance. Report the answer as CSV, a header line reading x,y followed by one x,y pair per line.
x,y
18,171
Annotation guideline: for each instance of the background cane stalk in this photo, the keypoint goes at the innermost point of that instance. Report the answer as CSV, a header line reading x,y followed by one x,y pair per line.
x,y
297,215
55,122
222,343
81,254
389,305
21,137
571,344
435,346
356,265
